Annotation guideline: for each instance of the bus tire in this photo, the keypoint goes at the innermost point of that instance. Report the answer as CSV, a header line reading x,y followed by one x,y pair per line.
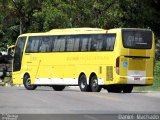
x,y
94,84
58,87
127,88
83,84
27,83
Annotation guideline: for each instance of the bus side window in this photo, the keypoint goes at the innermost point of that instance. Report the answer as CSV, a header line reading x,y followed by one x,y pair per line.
x,y
62,44
93,44
109,43
59,44
70,43
35,47
32,45
104,45
56,45
28,48
96,42
99,45
89,43
76,44
84,43
45,44
53,42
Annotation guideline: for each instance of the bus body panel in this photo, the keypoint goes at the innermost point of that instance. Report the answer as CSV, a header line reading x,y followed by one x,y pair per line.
x,y
68,65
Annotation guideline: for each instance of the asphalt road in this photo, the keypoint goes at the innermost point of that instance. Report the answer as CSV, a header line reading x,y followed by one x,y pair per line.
x,y
44,100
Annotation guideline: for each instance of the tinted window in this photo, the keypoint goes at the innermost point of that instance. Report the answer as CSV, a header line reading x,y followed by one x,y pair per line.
x,y
70,43
108,43
100,42
45,45
62,43
33,44
76,44
85,41
92,42
96,42
137,39
59,43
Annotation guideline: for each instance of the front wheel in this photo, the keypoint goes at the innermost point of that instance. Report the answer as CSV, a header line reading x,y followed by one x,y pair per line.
x,y
94,84
27,83
58,87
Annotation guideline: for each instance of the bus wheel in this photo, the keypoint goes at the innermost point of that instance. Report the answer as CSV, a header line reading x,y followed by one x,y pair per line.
x,y
94,84
127,88
27,83
58,87
83,84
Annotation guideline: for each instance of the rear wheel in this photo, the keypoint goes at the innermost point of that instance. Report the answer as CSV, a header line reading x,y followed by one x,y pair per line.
x,y
127,88
27,83
58,87
83,84
94,84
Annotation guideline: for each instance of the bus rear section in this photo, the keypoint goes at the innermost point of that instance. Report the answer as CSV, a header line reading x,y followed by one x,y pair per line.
x,y
135,64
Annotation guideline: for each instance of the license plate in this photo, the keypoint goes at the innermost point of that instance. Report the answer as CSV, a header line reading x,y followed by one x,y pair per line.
x,y
136,78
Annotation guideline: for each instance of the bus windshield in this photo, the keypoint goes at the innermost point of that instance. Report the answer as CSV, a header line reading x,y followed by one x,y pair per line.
x,y
137,39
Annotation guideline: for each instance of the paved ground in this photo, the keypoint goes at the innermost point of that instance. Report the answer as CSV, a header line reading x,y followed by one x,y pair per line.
x,y
44,100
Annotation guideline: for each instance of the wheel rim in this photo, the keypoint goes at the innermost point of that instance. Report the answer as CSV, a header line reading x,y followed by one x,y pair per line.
x,y
95,83
28,82
83,84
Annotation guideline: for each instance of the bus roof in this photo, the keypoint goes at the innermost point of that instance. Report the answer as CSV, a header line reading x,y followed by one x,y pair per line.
x,y
68,31
76,31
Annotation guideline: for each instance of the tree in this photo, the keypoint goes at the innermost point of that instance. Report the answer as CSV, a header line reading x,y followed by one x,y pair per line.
x,y
15,18
8,28
21,16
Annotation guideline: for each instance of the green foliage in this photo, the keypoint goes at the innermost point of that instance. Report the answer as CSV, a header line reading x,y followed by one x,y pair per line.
x,y
156,84
55,12
21,16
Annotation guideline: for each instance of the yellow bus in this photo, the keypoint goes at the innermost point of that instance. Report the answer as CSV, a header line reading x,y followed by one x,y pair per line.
x,y
91,58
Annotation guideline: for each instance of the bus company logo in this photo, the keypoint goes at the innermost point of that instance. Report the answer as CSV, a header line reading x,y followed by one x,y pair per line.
x,y
125,64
